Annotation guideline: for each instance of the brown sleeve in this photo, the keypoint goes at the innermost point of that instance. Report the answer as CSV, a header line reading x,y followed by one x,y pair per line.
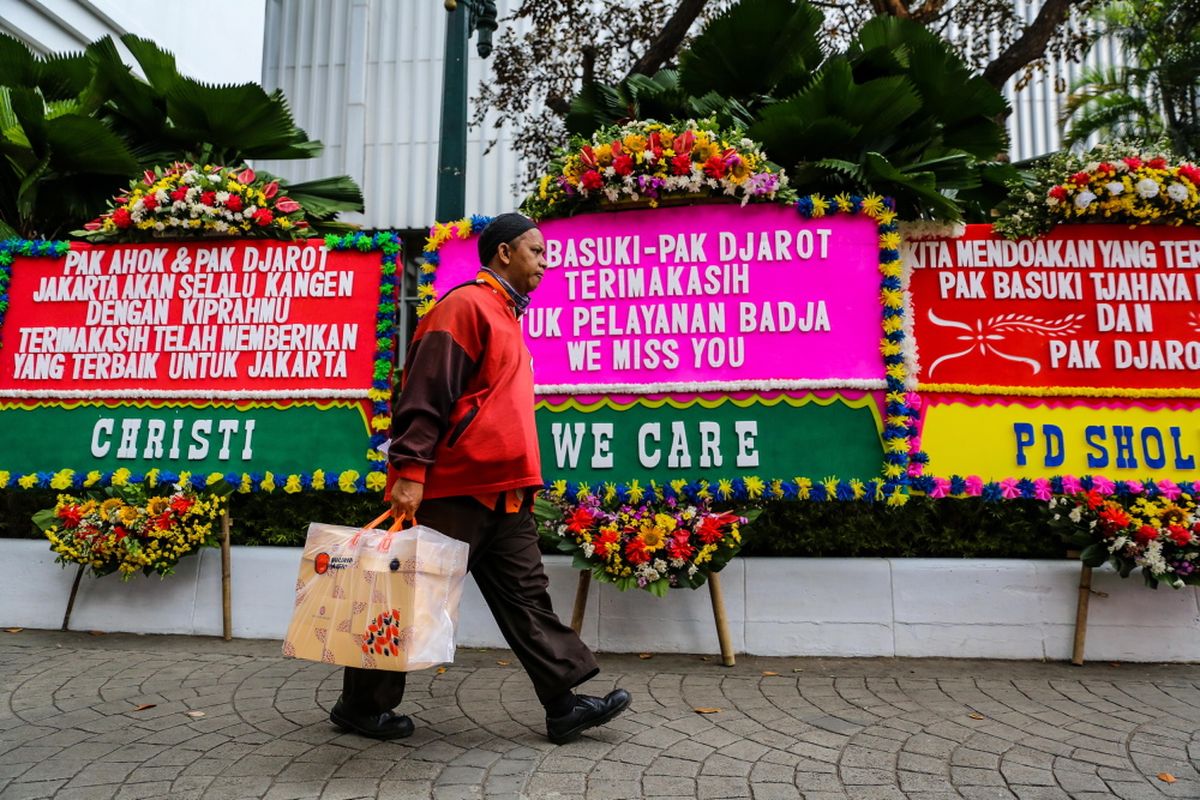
x,y
436,373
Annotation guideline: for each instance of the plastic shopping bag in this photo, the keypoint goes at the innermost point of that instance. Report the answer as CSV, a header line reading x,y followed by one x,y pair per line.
x,y
377,599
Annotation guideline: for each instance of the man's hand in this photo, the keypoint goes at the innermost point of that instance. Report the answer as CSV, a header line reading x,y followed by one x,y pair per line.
x,y
406,496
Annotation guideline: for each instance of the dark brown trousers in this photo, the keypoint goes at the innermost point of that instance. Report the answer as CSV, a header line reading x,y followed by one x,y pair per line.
x,y
507,566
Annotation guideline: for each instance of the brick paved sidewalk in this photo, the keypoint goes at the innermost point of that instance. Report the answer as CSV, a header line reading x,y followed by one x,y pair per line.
x,y
787,728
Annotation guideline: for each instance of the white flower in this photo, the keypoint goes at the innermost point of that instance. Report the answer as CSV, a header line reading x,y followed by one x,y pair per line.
x,y
1114,187
1084,199
214,178
221,197
1121,166
190,176
1076,514
588,549
692,570
158,226
1147,188
1177,192
1091,166
660,565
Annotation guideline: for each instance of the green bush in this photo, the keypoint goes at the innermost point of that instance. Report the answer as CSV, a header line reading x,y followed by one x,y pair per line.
x,y
967,528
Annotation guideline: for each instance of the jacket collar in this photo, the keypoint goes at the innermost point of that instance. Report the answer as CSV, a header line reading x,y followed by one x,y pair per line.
x,y
519,301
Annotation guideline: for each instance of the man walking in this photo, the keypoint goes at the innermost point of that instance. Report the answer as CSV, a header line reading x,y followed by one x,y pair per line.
x,y
464,447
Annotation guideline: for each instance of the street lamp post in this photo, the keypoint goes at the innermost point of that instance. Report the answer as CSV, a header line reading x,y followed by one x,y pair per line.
x,y
476,15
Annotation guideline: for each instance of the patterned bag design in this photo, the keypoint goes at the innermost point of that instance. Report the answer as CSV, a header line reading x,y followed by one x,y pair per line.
x,y
377,599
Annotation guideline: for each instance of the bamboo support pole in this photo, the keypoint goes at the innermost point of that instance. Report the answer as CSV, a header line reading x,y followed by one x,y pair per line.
x,y
581,598
66,625
226,572
1081,614
718,604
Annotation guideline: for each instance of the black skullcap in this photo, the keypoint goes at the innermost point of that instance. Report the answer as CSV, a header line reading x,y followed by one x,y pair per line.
x,y
502,230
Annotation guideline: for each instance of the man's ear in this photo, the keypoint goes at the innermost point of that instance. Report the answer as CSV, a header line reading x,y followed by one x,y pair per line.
x,y
504,251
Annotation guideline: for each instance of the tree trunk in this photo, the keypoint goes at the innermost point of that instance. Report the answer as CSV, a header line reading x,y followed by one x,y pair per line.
x,y
1031,44
666,44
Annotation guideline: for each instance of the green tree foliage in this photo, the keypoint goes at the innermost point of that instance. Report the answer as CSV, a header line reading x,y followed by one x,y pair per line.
x,y
897,112
75,127
1156,93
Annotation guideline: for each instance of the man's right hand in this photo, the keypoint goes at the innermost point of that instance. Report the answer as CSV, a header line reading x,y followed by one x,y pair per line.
x,y
406,496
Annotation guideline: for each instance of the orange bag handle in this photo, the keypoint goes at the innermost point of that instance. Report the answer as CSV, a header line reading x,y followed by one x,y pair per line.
x,y
375,523
391,532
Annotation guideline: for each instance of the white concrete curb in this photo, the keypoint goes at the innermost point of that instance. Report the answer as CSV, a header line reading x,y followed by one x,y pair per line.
x,y
1011,609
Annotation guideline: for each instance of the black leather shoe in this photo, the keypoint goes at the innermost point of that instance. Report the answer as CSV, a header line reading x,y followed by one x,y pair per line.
x,y
387,725
587,713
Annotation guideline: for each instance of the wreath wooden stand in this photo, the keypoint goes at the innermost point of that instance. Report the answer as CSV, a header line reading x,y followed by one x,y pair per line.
x,y
226,584
714,592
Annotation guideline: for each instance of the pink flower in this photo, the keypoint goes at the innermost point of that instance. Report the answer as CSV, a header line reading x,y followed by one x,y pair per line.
x,y
914,401
271,189
246,176
1009,489
286,205
915,469
941,487
1071,485
1169,489
94,225
148,177
914,444
974,485
1041,489
1135,487
1103,485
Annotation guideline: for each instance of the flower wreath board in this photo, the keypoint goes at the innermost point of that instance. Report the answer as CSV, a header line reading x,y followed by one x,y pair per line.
x,y
712,352
260,364
1068,364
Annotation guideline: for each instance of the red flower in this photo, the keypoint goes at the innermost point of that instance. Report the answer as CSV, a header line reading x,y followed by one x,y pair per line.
x,y
1179,536
70,515
246,176
623,165
1113,518
180,194
680,547
286,205
710,530
1190,172
1081,178
1106,167
635,551
121,218
592,180
180,505
163,521
682,164
588,156
1157,163
148,177
119,532
1145,534
1058,193
607,542
1094,499
150,202
684,141
715,167
580,520
271,189
208,198
263,217
94,225
1133,162
234,203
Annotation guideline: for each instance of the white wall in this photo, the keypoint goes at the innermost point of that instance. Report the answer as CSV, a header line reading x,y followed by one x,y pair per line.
x,y
946,608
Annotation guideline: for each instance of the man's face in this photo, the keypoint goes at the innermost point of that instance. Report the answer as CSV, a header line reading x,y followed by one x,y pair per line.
x,y
523,261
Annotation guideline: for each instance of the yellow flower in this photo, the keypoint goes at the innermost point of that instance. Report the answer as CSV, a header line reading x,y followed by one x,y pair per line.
x,y
380,422
820,206
872,205
803,487
128,515
754,486
843,202
121,477
610,492
376,481
634,143
214,478
724,488
247,485
157,505
604,154
62,479
318,479
558,489
293,484
91,480
347,481
636,492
